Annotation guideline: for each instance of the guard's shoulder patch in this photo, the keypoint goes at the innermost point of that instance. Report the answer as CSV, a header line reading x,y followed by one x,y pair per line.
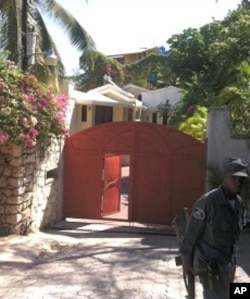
x,y
198,213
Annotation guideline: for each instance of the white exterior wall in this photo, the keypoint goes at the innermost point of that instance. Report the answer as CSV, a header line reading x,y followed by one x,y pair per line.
x,y
77,99
76,123
151,99
118,113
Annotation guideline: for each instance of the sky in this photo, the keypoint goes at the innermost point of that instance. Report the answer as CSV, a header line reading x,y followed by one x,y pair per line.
x,y
119,26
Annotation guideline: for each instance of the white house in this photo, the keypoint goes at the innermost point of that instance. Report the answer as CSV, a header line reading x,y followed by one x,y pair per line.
x,y
106,103
153,98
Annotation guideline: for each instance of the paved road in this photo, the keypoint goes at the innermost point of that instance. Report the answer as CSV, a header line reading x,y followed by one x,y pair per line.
x,y
95,261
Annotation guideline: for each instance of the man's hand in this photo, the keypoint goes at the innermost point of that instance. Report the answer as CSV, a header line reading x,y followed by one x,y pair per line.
x,y
187,266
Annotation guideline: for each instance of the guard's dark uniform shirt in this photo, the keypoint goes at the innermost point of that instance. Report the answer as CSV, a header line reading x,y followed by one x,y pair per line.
x,y
213,230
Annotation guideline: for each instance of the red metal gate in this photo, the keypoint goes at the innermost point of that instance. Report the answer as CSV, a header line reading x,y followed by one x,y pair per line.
x,y
111,184
167,170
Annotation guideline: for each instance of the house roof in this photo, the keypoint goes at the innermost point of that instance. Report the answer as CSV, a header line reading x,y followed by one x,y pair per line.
x,y
115,93
106,95
134,51
134,89
95,98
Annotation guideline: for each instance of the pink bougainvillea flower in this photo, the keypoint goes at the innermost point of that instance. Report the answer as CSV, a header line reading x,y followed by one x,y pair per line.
x,y
2,84
40,122
24,97
44,102
34,132
65,131
3,137
60,116
31,98
62,101
28,141
29,108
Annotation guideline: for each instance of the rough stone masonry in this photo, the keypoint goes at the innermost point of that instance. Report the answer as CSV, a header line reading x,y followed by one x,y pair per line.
x,y
29,185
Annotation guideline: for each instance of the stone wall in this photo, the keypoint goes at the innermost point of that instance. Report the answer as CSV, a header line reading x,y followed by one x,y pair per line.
x,y
29,184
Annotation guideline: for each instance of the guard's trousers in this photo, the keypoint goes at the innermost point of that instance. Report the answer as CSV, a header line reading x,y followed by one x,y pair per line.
x,y
216,283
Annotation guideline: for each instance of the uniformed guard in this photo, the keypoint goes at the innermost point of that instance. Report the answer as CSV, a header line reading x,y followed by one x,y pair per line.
x,y
210,242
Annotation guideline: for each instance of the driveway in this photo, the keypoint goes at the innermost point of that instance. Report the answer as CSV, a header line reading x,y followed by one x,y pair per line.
x,y
82,260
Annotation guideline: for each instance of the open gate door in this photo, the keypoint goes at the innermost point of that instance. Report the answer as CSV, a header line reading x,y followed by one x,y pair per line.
x,y
111,200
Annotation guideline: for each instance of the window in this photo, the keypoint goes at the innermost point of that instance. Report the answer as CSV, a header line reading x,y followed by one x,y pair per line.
x,y
103,114
165,120
137,114
84,113
154,118
130,114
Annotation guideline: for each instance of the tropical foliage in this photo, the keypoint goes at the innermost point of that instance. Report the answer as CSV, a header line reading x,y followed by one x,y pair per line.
x,y
212,66
207,60
150,72
93,65
195,123
29,111
20,17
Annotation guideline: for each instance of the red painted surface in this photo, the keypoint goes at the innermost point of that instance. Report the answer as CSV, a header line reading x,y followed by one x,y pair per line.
x,y
167,170
111,185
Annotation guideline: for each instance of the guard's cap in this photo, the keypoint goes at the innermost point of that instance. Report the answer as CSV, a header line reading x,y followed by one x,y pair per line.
x,y
235,167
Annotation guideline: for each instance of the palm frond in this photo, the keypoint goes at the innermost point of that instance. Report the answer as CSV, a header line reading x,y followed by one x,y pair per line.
x,y
77,34
12,24
10,17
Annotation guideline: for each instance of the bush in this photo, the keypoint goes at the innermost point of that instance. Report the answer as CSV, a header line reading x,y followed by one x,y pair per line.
x,y
29,111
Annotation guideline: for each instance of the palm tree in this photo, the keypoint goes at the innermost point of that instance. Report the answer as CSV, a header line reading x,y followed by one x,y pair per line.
x,y
19,17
